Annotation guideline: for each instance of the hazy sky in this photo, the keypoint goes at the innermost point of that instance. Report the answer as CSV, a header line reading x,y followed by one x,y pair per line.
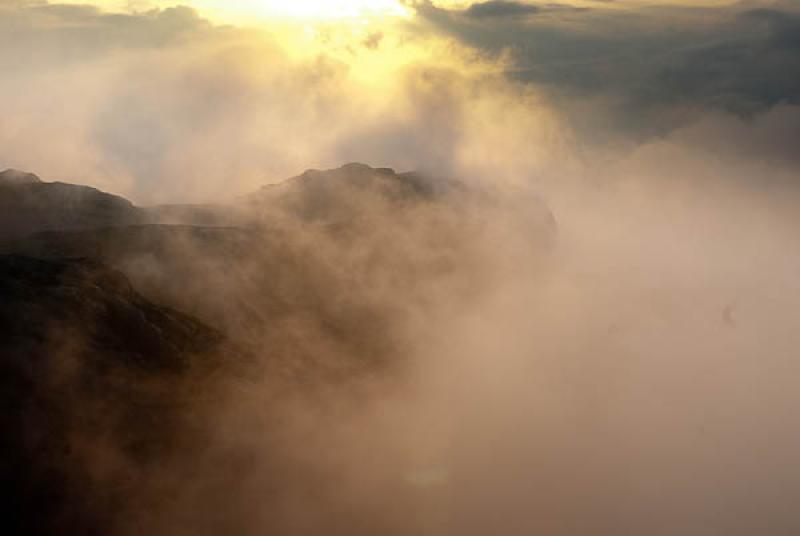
x,y
246,10
214,98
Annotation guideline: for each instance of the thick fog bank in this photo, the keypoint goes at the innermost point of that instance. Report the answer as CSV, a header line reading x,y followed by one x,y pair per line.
x,y
633,373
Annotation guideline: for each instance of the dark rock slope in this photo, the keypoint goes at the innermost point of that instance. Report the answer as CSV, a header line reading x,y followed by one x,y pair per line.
x,y
91,383
93,311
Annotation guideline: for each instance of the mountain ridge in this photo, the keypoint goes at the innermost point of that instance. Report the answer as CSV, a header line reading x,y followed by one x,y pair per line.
x,y
30,205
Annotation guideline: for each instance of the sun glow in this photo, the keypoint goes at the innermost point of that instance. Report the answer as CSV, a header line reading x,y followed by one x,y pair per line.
x,y
339,8
319,9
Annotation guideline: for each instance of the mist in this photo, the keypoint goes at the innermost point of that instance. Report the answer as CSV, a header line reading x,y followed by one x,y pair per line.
x,y
579,326
610,352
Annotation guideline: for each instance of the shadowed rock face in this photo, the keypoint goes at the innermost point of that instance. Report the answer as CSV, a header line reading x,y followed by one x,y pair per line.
x,y
98,309
85,360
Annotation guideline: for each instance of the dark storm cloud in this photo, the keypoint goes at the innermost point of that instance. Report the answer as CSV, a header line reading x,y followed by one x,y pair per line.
x,y
507,9
500,8
742,58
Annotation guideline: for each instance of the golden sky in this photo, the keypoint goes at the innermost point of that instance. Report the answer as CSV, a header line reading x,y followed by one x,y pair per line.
x,y
249,11
272,87
244,11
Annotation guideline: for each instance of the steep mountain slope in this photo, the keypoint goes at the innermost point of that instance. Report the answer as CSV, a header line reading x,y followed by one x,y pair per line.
x,y
95,311
89,371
